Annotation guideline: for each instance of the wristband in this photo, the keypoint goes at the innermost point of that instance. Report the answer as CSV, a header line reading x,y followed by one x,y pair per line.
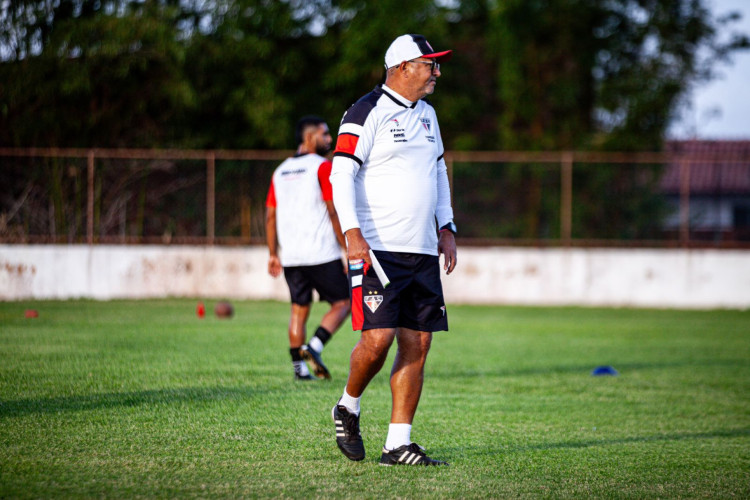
x,y
449,227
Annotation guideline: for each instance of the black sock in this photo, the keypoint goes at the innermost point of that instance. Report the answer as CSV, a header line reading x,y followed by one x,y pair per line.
x,y
294,352
323,334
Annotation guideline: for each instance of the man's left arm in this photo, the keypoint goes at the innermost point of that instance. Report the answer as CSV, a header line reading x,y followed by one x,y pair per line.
x,y
444,211
444,214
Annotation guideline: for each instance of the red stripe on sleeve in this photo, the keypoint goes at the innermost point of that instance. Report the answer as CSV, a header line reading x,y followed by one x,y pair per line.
x,y
324,178
271,198
346,143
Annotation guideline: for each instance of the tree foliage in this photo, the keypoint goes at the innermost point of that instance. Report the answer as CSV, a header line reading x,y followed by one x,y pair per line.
x,y
526,75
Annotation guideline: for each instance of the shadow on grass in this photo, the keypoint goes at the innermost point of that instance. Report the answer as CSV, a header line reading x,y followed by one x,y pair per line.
x,y
623,368
23,407
590,443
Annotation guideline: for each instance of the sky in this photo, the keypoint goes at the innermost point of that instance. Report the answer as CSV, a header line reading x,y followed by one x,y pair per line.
x,y
721,107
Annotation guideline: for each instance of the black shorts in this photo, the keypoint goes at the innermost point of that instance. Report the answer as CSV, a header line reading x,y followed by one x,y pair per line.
x,y
328,279
414,299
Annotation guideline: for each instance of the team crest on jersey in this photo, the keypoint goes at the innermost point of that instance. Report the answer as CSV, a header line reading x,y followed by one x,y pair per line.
x,y
373,302
426,123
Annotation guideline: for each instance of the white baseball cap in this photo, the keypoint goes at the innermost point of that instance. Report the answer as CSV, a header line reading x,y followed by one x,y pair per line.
x,y
408,47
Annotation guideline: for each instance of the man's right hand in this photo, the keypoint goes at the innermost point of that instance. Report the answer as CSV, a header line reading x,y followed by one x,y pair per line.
x,y
357,247
274,266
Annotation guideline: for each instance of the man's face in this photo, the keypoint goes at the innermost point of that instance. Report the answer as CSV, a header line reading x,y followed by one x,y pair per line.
x,y
426,76
323,139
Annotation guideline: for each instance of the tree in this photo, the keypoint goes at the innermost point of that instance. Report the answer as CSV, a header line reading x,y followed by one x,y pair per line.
x,y
526,75
581,74
106,74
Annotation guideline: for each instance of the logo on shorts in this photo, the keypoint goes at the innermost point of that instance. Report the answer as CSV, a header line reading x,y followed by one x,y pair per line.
x,y
373,302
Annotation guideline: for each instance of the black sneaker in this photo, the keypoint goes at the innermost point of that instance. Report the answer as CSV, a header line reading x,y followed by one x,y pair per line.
x,y
314,360
297,376
347,433
408,454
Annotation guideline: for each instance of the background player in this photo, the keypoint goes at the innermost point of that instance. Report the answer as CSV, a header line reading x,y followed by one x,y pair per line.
x,y
302,221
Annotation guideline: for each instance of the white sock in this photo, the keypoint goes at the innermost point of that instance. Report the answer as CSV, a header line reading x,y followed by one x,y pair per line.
x,y
350,403
398,435
316,344
300,368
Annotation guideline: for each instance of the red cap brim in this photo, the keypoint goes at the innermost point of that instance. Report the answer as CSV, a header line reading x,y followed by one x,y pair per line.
x,y
440,57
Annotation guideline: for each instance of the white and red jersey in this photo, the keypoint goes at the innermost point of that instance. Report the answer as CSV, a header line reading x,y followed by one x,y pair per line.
x,y
389,177
299,188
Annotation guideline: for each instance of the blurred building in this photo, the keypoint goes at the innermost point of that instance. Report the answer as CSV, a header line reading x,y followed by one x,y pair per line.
x,y
719,187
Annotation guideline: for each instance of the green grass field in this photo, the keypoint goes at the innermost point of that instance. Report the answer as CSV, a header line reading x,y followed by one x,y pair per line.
x,y
129,399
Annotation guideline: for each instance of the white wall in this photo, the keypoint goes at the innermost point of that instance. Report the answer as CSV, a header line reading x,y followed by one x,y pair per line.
x,y
502,275
611,277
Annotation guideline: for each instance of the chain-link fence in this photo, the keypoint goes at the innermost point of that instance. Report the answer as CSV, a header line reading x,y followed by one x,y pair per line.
x,y
500,198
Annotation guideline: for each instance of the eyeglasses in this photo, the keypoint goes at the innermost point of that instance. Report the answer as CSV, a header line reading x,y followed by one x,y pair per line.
x,y
432,62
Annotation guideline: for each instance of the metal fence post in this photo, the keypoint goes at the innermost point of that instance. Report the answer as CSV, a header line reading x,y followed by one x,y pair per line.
x,y
449,166
90,198
685,203
210,196
566,197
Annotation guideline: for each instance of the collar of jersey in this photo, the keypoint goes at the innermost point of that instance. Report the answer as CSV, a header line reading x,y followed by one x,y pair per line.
x,y
397,98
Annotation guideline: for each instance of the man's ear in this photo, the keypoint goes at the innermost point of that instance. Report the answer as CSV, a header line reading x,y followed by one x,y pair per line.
x,y
307,133
402,67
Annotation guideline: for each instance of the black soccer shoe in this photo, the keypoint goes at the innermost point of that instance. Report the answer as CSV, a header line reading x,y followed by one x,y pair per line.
x,y
314,360
348,437
408,454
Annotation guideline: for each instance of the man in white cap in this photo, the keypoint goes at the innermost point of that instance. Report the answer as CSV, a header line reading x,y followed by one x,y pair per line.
x,y
391,192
